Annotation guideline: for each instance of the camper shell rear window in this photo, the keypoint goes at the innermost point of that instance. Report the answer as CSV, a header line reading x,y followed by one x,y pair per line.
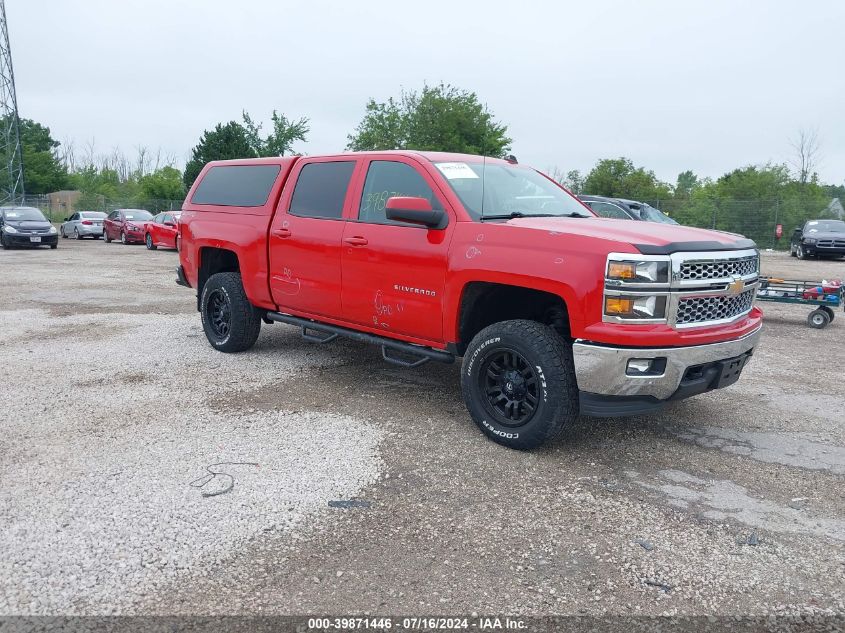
x,y
236,185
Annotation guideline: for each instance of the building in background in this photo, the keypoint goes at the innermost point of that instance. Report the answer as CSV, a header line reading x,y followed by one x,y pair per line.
x,y
62,203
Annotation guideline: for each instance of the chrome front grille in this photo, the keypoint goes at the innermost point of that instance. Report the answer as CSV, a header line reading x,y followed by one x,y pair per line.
x,y
705,269
831,243
702,288
713,308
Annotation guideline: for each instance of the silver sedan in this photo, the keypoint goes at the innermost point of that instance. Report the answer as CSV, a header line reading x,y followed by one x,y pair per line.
x,y
83,224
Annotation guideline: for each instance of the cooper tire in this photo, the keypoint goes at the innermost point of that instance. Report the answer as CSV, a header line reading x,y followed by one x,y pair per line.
x,y
76,234
792,250
106,237
518,383
6,246
799,252
148,240
62,231
123,238
230,322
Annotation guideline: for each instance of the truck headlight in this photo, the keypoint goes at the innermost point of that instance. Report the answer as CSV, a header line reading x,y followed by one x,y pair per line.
x,y
635,307
639,272
10,229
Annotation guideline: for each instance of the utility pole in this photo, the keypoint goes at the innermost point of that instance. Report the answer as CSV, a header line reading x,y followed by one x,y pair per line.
x,y
12,188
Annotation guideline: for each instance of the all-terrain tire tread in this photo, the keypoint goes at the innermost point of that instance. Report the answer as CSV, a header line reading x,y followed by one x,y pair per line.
x,y
562,384
246,322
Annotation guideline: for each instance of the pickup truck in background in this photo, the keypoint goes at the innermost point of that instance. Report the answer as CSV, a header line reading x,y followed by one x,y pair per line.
x,y
435,256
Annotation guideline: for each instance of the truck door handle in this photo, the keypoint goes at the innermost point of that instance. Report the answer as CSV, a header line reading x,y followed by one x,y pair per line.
x,y
356,241
282,232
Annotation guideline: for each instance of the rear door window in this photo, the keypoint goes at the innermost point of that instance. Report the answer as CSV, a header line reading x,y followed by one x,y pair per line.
x,y
236,185
321,189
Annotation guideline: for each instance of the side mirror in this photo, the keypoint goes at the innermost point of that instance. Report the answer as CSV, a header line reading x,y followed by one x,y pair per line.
x,y
66,220
414,211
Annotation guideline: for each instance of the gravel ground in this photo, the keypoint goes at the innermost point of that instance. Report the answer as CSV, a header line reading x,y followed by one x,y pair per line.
x,y
105,426
729,503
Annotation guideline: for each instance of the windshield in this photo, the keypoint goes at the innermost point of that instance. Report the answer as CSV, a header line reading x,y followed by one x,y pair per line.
x,y
826,226
24,215
607,209
494,189
654,215
138,214
92,215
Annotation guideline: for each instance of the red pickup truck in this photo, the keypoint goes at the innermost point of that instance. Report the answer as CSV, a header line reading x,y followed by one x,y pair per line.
x,y
435,256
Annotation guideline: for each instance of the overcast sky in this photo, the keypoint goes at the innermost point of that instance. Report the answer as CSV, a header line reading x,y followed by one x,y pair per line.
x,y
706,85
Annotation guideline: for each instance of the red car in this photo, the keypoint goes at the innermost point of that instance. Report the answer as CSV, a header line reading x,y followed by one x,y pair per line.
x,y
126,225
162,230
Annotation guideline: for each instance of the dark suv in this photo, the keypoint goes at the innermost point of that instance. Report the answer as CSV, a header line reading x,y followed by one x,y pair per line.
x,y
818,238
26,226
625,209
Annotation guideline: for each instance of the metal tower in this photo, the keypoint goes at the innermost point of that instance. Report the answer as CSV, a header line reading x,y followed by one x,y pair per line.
x,y
11,171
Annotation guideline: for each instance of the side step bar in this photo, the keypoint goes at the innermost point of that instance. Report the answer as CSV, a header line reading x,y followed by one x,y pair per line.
x,y
420,355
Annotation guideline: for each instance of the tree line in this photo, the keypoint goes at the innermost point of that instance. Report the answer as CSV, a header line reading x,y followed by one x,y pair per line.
x,y
440,118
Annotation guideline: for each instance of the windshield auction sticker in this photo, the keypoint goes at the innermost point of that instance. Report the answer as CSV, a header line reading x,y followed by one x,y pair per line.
x,y
456,171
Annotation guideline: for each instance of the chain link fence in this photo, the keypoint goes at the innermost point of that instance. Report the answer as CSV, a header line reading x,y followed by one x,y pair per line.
x,y
755,219
58,206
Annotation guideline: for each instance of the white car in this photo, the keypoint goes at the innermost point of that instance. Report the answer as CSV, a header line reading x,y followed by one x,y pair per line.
x,y
83,224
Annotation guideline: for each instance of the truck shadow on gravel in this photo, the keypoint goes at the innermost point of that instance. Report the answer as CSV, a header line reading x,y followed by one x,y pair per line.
x,y
352,378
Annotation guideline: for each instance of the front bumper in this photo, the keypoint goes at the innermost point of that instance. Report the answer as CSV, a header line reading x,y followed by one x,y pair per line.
x,y
23,239
608,390
824,251
134,236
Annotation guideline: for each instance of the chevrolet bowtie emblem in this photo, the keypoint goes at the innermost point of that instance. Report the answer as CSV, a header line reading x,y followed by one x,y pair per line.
x,y
736,286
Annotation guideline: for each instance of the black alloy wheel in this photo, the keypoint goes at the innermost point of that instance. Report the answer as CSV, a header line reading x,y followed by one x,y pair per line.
x,y
219,313
511,386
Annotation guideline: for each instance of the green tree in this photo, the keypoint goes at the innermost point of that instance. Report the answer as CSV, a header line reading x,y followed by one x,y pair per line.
x,y
751,201
223,142
439,118
574,181
280,141
163,184
618,178
835,191
43,170
686,184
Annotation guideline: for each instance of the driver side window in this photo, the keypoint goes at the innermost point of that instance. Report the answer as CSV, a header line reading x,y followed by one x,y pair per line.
x,y
388,179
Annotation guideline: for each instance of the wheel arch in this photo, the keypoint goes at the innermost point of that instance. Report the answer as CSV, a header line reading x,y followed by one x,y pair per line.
x,y
213,260
483,303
